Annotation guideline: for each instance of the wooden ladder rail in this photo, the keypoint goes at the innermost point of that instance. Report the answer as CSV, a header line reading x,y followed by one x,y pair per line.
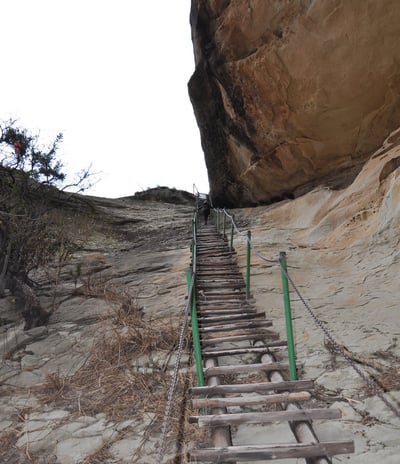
x,y
287,394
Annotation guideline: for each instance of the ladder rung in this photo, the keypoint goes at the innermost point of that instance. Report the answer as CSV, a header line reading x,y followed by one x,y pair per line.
x,y
290,385
254,349
213,318
250,336
245,368
239,325
223,420
269,452
278,398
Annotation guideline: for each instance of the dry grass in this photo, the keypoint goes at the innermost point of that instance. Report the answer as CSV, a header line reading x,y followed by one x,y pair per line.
x,y
8,438
99,457
112,382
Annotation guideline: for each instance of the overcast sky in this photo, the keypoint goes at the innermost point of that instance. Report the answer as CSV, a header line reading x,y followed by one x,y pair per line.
x,y
112,76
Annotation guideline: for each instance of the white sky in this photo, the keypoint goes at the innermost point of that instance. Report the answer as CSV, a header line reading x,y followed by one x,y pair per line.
x,y
112,76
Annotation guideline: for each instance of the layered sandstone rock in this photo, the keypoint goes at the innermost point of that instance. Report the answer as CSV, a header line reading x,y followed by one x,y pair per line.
x,y
291,94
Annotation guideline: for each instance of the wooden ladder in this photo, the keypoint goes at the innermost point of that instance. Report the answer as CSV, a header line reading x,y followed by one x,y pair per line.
x,y
242,391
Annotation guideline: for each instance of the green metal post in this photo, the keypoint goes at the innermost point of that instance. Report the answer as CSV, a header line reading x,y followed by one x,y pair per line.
x,y
232,229
224,224
248,264
195,333
288,318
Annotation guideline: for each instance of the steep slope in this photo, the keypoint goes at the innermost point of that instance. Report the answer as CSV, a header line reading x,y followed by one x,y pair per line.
x,y
90,385
63,400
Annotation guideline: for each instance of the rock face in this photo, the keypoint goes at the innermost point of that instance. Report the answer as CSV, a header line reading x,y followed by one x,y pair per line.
x,y
290,95
343,254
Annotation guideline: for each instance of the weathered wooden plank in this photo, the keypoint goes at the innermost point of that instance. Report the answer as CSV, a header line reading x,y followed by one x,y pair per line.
x,y
238,325
206,279
245,368
218,306
221,294
218,277
265,417
261,387
253,349
269,452
250,400
221,313
220,274
215,253
215,244
250,336
218,319
227,271
211,260
222,301
225,284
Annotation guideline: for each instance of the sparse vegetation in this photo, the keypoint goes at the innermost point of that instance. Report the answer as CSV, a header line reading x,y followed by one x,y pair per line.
x,y
127,372
32,231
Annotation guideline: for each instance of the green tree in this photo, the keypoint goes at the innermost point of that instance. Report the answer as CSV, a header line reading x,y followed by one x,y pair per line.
x,y
32,183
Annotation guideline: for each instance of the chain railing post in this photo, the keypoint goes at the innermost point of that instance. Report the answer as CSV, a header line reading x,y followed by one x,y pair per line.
x,y
217,220
224,234
288,317
195,330
232,230
194,226
248,264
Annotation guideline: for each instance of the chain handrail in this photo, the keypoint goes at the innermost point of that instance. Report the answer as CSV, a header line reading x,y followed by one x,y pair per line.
x,y
336,347
244,234
184,324
369,381
171,392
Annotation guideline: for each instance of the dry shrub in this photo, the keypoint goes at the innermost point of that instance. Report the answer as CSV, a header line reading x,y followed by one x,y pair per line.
x,y
55,386
111,381
100,286
8,438
99,457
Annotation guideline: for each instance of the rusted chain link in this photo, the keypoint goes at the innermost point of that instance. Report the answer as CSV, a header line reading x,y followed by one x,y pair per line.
x,y
185,318
168,407
244,234
369,381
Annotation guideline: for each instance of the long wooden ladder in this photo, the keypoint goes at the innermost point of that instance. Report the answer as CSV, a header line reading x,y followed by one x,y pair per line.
x,y
242,391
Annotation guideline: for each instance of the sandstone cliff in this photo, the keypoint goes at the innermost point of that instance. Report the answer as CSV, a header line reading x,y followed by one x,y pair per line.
x,y
292,94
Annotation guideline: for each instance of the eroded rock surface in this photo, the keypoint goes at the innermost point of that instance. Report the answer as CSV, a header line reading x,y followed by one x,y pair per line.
x,y
290,95
135,247
343,254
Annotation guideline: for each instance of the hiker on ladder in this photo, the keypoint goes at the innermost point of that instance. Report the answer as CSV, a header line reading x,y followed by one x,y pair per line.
x,y
206,210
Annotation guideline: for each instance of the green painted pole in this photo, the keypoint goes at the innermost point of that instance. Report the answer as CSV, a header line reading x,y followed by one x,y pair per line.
x,y
195,332
248,264
224,224
288,317
232,229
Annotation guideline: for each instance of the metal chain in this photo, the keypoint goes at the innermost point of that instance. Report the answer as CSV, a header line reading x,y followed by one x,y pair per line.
x,y
369,381
256,252
168,407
